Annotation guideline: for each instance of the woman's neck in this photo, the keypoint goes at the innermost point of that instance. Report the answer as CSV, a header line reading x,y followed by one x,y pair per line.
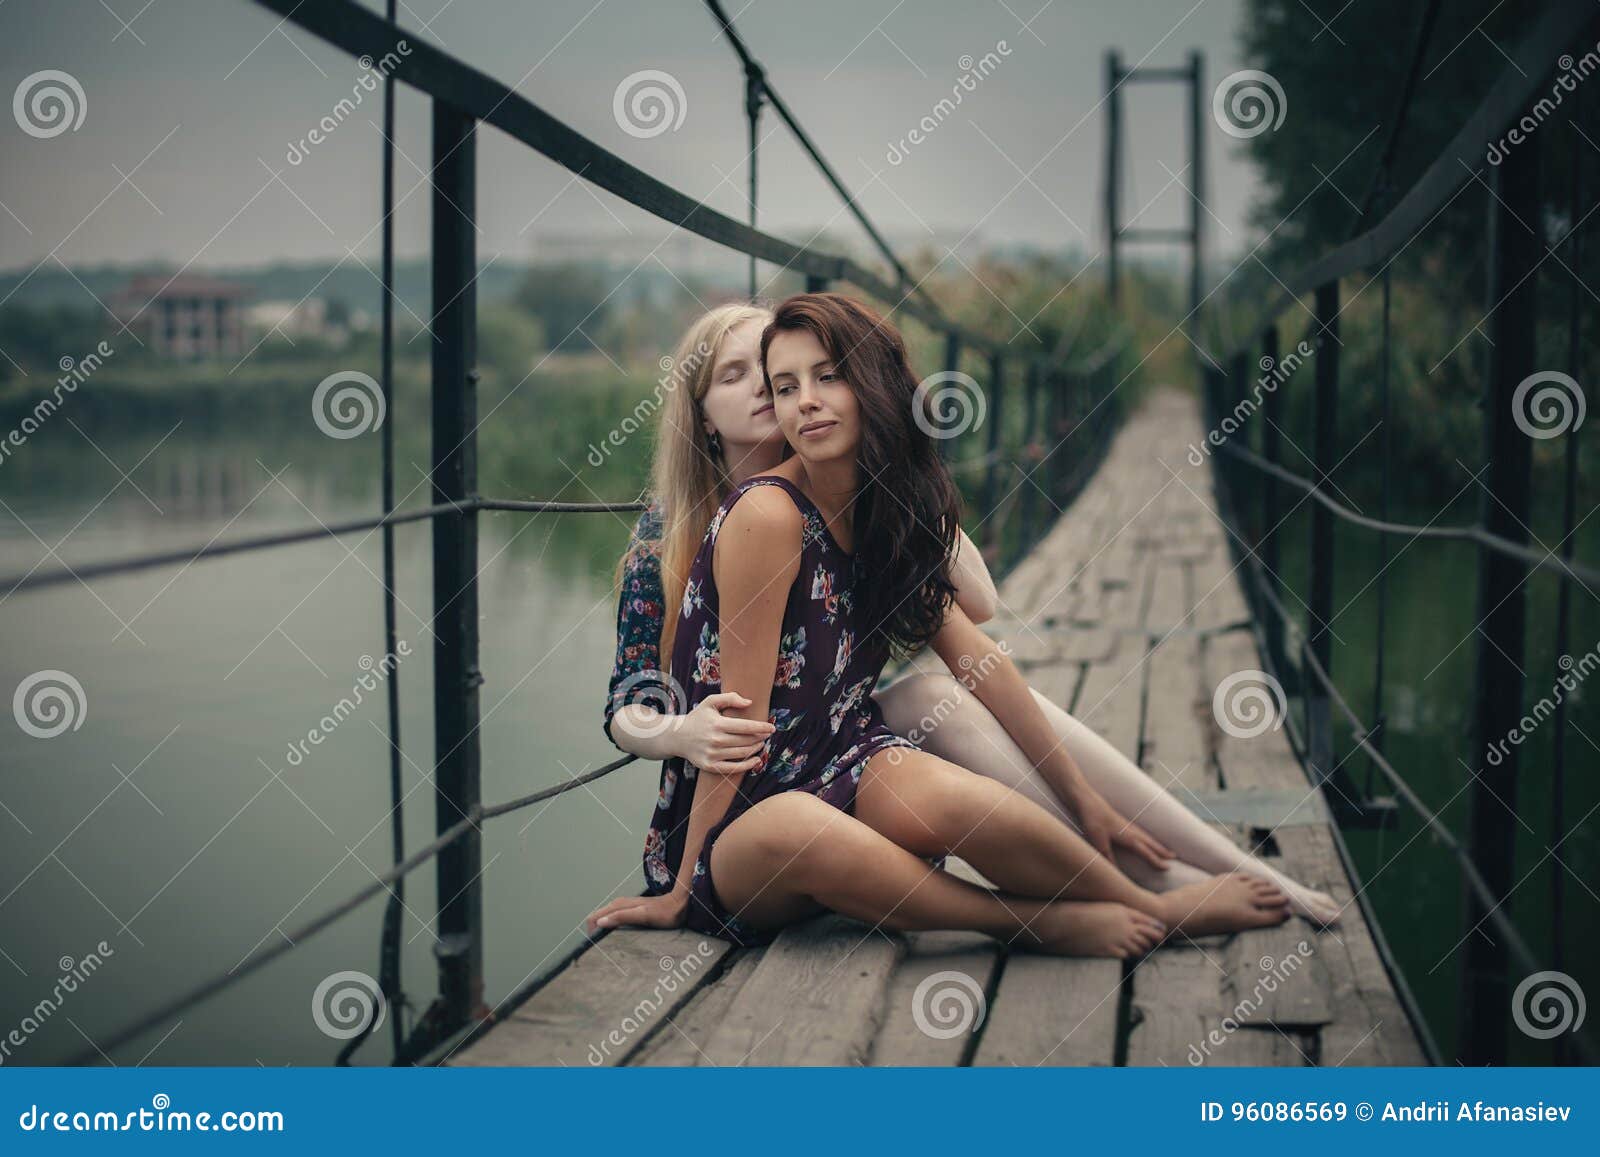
x,y
746,460
832,486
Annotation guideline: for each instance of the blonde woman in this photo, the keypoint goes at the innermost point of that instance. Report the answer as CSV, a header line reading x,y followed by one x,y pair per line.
x,y
718,430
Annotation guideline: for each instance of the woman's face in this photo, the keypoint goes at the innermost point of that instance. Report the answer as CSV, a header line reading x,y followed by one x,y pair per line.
x,y
735,404
816,408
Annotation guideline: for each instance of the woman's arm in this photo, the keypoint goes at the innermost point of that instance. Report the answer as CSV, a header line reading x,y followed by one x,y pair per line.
x,y
988,672
756,560
975,591
635,719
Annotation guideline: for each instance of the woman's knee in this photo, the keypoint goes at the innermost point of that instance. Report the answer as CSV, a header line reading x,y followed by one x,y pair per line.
x,y
790,832
938,803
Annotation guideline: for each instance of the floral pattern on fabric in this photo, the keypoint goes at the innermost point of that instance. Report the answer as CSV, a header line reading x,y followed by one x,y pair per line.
x,y
640,609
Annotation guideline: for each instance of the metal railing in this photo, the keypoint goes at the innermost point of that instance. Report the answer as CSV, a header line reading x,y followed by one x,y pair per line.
x,y
1074,397
1486,856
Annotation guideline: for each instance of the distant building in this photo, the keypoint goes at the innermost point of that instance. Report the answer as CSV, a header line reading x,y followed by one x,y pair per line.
x,y
308,318
187,316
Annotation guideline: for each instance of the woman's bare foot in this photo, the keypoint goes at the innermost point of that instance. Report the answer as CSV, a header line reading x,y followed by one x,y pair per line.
x,y
1318,907
1227,903
1093,928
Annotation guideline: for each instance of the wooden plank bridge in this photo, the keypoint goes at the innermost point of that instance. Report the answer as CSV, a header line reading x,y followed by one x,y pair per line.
x,y
1128,613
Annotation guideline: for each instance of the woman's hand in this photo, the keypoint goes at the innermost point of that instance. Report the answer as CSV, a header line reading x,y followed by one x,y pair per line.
x,y
722,744
664,911
1106,828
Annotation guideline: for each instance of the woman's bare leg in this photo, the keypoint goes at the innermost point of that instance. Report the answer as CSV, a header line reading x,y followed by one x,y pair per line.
x,y
932,807
968,735
791,855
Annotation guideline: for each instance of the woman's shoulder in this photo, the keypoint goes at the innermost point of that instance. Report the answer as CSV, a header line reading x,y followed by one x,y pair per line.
x,y
764,509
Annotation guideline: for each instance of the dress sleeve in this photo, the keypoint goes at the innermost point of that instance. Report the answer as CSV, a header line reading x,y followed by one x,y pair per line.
x,y
636,676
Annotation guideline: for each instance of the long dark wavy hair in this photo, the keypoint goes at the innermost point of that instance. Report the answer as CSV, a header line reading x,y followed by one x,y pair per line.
x,y
907,509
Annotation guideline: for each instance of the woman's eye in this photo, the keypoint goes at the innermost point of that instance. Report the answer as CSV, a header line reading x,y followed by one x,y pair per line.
x,y
830,376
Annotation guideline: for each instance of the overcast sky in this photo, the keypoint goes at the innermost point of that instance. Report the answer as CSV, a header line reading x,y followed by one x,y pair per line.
x,y
190,109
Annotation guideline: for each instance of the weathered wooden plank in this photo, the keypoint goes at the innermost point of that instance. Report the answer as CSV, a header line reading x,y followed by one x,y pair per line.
x,y
1052,1011
1175,750
1250,1047
937,999
681,1041
1109,700
1218,593
599,1009
1177,1002
1276,976
1370,1025
816,998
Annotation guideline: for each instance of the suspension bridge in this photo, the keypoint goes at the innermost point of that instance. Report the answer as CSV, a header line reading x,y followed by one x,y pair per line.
x,y
1134,583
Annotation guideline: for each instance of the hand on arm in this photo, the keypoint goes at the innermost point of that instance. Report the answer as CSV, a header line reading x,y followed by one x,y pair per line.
x,y
707,736
989,673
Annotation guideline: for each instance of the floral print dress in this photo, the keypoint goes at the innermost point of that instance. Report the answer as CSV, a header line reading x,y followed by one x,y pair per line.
x,y
827,723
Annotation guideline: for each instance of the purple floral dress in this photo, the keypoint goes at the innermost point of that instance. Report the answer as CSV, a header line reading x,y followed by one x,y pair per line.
x,y
827,722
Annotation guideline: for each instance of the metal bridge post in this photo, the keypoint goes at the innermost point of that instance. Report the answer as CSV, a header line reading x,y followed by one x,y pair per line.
x,y
754,89
1113,167
1239,383
952,364
815,283
1325,452
1197,161
991,474
1030,483
1497,692
1272,451
455,566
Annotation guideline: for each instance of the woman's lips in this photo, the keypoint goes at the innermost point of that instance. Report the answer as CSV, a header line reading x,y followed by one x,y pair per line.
x,y
767,409
816,429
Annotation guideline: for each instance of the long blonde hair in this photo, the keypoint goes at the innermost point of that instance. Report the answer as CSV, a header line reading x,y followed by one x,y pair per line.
x,y
688,479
